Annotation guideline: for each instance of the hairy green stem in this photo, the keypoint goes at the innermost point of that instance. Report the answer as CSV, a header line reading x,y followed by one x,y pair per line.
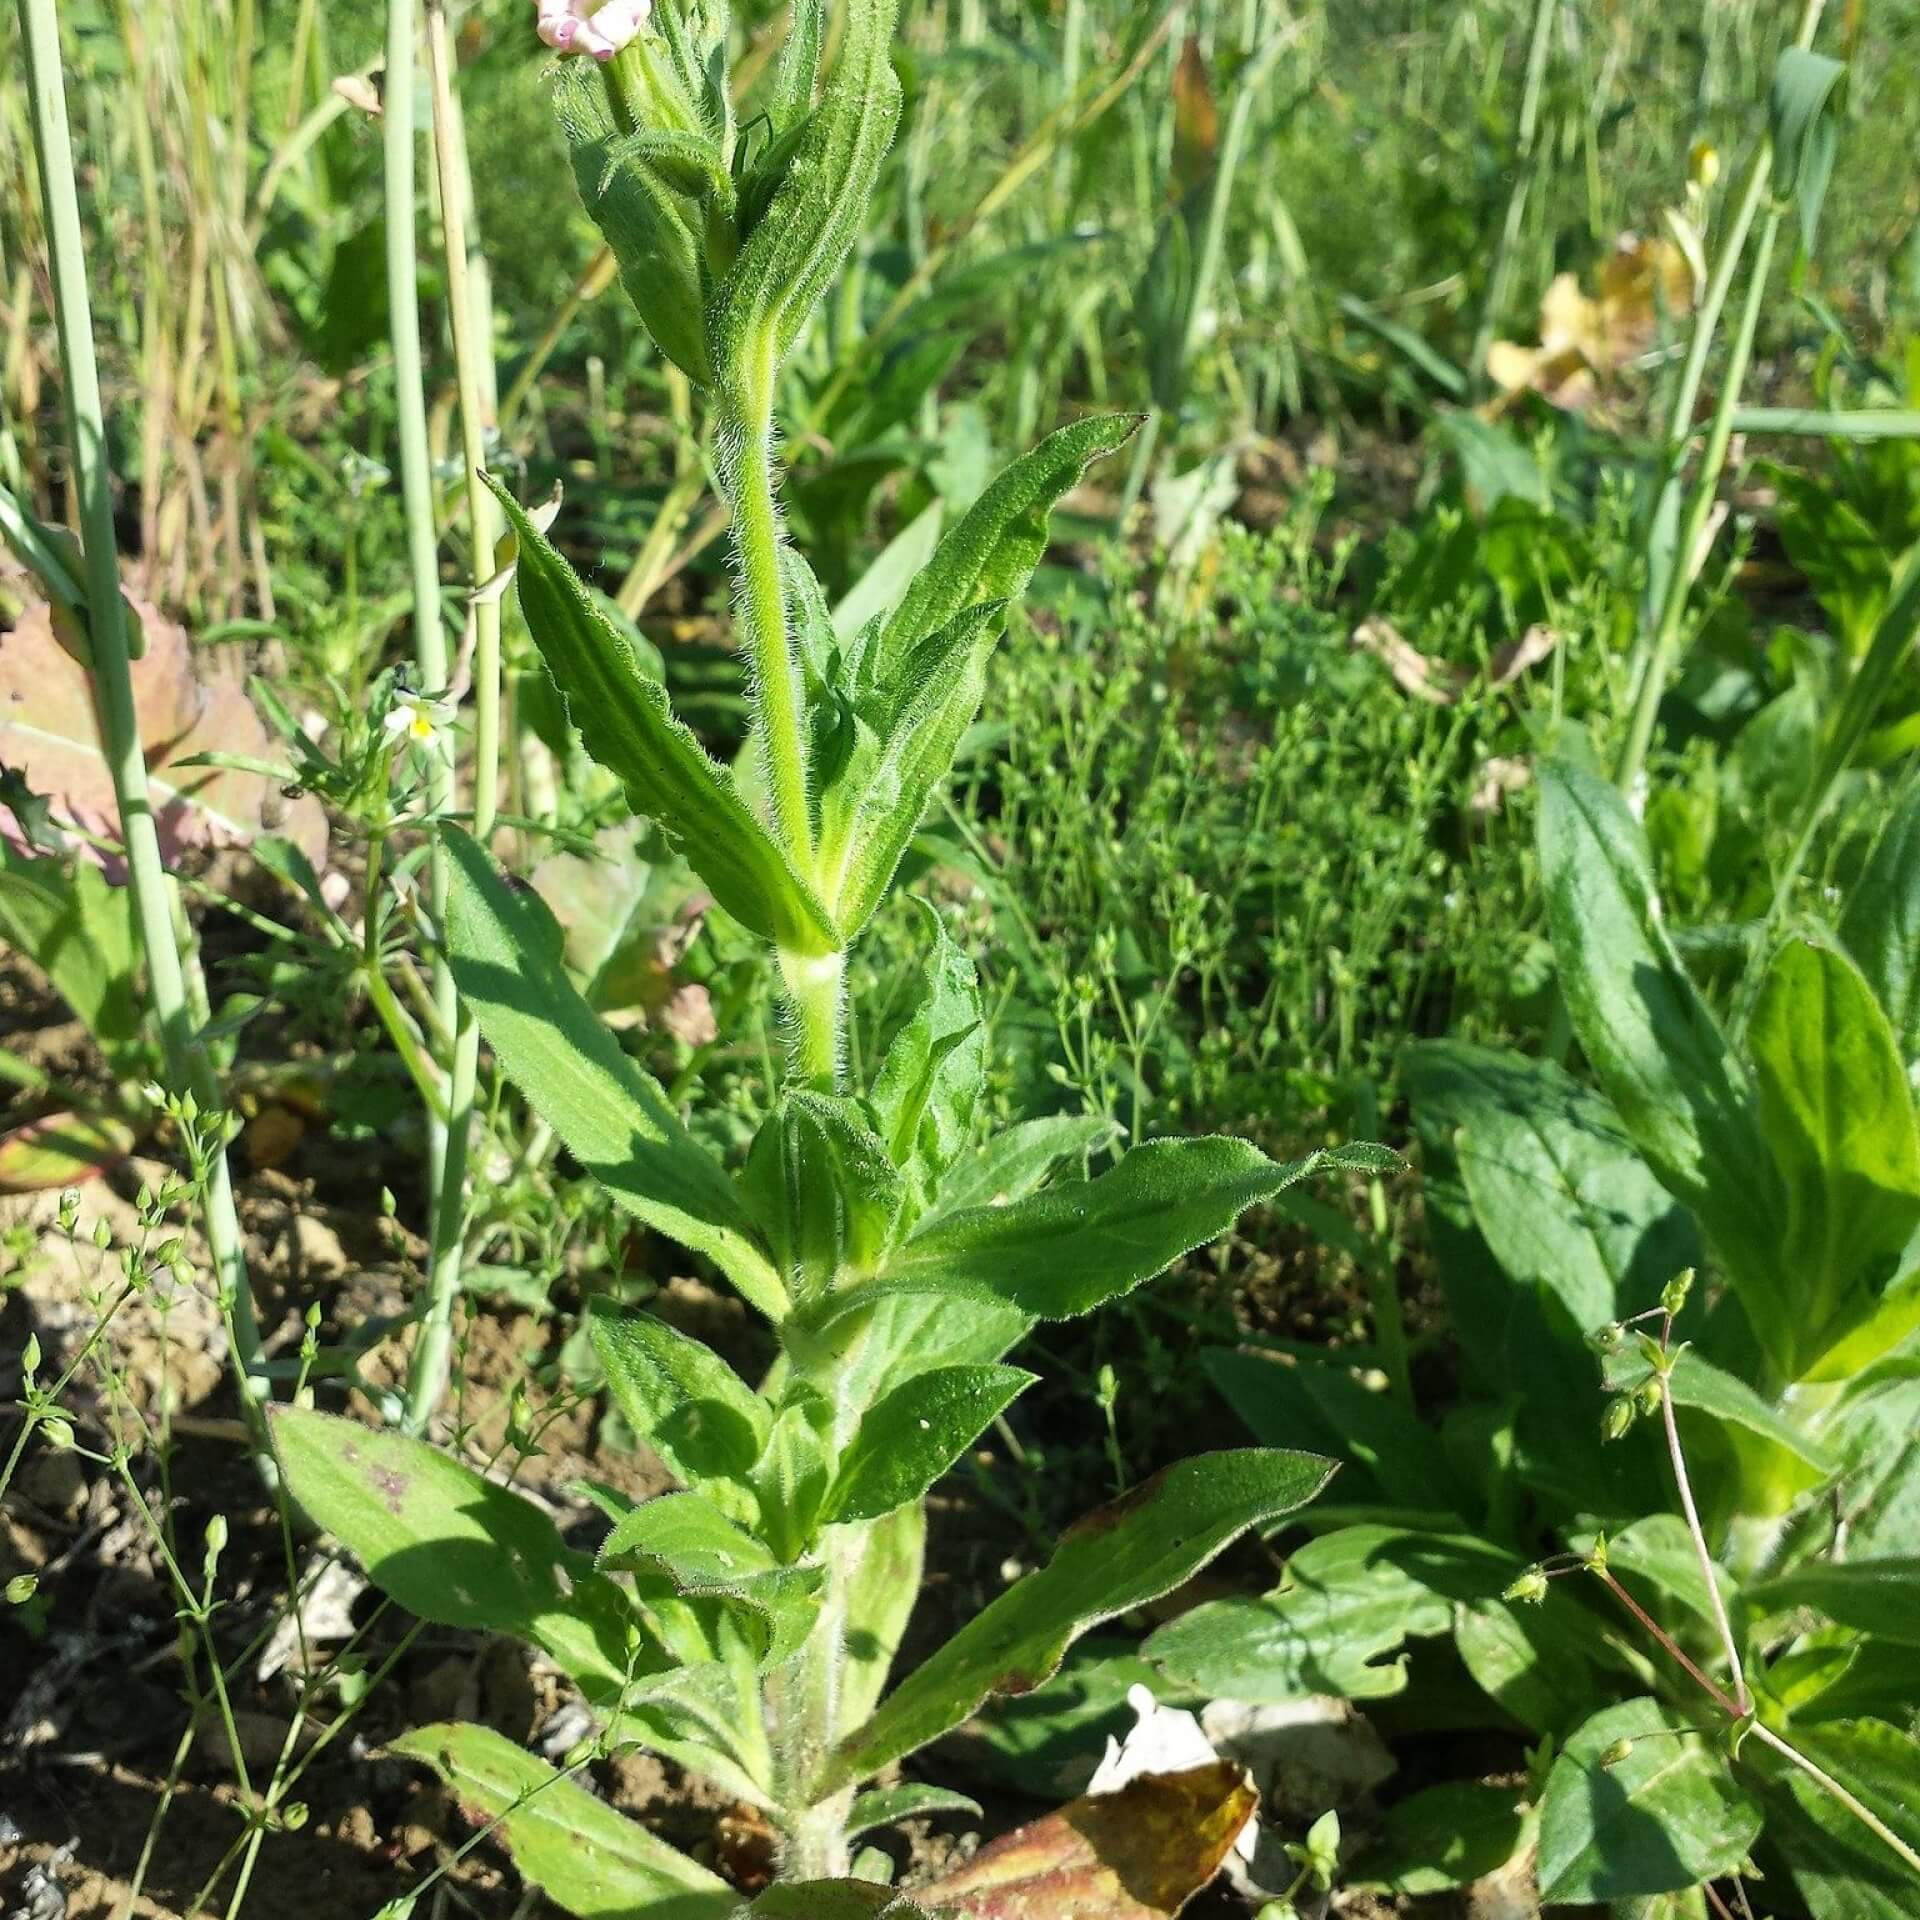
x,y
432,1354
188,1067
746,435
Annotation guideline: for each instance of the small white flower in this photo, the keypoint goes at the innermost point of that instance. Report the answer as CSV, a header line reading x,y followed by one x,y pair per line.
x,y
415,718
583,26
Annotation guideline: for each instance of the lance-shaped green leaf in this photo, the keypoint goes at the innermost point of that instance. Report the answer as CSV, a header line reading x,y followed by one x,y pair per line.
x,y
936,697
814,214
1881,926
1018,1161
1838,1116
834,1900
823,1188
928,1087
454,1548
992,552
909,1439
1065,1250
612,1117
881,1592
884,1806
1654,1043
682,1400
627,724
1142,1546
654,227
1639,1804
685,1540
568,1842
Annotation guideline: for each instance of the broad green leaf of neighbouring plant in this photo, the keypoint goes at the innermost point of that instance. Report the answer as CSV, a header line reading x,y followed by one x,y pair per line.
x,y
613,1118
1877,1596
907,1441
1881,926
1139,1548
1323,1404
1838,1867
1704,1388
1562,1196
1447,1836
78,931
1536,1660
1838,1115
1654,1043
1348,1599
627,725
567,1841
682,1400
1637,1803
454,1548
1065,1250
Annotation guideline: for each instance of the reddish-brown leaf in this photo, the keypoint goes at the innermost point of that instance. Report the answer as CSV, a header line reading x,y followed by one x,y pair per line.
x,y
1139,1854
48,733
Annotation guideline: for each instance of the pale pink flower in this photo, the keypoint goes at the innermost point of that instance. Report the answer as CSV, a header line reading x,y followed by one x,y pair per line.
x,y
583,26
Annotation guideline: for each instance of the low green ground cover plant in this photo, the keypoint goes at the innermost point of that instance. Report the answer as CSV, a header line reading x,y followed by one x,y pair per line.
x,y
1724,1677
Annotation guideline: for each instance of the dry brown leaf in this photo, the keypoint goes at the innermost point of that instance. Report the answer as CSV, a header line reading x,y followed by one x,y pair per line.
x,y
1430,680
1498,778
1511,661
1139,1854
48,734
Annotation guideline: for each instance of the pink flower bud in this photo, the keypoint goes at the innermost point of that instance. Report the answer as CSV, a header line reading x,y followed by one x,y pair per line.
x,y
582,26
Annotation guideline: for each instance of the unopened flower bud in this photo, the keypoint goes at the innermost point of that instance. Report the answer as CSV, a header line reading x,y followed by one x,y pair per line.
x,y
1617,1419
1616,1753
1673,1296
582,26
21,1588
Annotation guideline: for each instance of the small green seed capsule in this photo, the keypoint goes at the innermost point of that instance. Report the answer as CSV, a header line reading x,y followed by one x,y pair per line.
x,y
1673,1296
102,1234
1616,1753
21,1588
1616,1422
30,1356
216,1536
1647,1397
